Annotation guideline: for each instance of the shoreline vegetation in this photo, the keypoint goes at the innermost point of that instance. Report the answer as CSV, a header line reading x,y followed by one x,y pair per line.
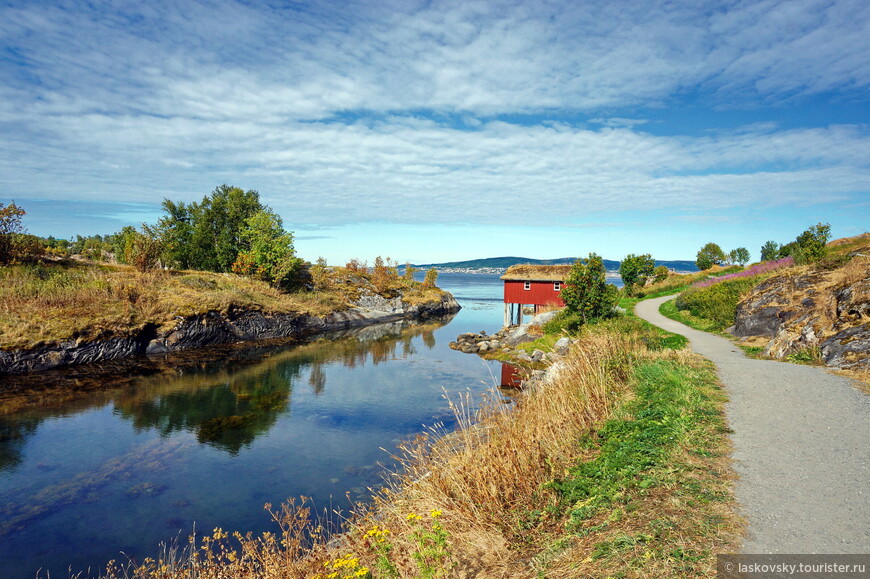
x,y
198,270
54,308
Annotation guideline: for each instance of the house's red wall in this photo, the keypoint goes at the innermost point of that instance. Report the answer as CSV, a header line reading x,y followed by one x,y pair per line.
x,y
540,293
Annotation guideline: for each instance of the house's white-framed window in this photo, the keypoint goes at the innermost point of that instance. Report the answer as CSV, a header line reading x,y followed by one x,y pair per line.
x,y
527,285
557,286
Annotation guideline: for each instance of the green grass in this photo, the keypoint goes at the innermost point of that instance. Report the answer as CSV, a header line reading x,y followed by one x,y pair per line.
x,y
633,445
811,356
667,441
752,351
669,310
718,302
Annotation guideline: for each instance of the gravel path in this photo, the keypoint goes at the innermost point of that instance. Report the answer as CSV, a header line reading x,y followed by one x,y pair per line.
x,y
801,448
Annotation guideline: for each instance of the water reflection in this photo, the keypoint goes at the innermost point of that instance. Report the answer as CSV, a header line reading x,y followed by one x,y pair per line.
x,y
511,376
121,456
226,396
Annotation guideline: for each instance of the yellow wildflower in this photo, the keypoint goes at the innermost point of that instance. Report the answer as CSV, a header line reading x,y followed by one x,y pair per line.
x,y
435,513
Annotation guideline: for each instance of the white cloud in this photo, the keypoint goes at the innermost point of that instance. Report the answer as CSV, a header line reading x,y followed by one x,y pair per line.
x,y
148,100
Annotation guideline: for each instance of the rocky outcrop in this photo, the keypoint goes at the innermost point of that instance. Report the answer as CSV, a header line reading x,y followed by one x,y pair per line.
x,y
506,340
812,309
214,327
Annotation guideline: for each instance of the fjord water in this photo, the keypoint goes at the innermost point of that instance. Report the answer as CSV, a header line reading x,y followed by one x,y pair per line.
x,y
207,440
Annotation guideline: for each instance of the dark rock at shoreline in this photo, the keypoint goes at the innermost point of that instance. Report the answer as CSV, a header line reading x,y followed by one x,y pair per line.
x,y
213,328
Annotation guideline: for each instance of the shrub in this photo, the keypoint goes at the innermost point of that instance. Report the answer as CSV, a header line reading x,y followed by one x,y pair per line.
x,y
564,322
431,277
813,241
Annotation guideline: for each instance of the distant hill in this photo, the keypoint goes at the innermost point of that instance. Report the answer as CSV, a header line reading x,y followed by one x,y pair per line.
x,y
506,262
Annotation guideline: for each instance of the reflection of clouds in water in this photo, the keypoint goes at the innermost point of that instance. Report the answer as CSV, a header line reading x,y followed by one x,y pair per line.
x,y
480,306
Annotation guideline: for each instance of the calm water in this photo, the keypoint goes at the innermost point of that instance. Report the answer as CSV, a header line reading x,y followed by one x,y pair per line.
x,y
210,439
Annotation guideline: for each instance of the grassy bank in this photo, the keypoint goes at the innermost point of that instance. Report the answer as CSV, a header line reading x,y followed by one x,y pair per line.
x,y
616,466
81,300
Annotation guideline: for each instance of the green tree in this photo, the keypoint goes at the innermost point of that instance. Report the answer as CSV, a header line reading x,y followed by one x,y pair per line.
x,y
769,251
122,244
739,255
586,290
217,223
267,250
10,227
635,269
813,241
709,255
176,232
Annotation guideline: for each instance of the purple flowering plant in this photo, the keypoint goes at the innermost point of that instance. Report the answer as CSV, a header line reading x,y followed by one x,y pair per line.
x,y
758,269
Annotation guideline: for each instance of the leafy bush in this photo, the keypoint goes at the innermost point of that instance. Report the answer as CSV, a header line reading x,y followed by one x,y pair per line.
x,y
564,322
812,242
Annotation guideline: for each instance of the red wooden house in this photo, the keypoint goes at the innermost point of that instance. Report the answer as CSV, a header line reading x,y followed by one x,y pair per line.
x,y
532,285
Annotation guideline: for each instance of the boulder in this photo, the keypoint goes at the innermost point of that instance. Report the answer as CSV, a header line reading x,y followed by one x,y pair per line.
x,y
543,318
562,345
518,335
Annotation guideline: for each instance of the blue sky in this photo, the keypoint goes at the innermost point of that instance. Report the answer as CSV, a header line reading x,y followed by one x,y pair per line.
x,y
436,131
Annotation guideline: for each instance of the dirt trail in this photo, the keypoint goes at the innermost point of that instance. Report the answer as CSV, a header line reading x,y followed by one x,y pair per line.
x,y
801,448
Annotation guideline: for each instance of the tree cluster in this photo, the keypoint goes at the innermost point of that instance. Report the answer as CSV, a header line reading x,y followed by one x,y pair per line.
x,y
229,230
810,246
711,254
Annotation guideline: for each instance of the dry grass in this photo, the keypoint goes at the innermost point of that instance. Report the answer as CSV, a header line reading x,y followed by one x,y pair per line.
x,y
487,486
537,272
55,302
